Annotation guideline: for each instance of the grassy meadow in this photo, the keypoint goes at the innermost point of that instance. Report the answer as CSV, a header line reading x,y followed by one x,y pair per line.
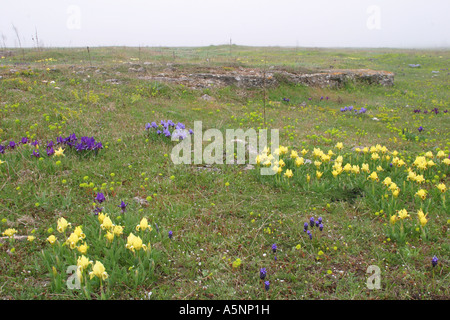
x,y
136,226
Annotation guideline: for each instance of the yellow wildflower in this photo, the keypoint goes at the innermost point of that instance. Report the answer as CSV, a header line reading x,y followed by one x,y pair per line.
x,y
9,232
442,187
98,271
422,194
62,225
51,239
403,214
288,173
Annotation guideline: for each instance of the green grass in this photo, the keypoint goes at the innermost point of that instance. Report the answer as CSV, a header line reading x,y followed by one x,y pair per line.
x,y
225,212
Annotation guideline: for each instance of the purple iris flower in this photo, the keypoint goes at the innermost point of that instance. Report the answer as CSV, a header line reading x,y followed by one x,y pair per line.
x,y
50,151
24,140
12,144
425,111
274,247
147,126
262,273
305,226
50,144
311,221
123,206
191,131
434,261
309,234
170,234
36,153
100,197
321,227
153,125
170,123
98,210
167,133
80,147
180,126
2,149
98,146
420,129
362,110
267,285
320,219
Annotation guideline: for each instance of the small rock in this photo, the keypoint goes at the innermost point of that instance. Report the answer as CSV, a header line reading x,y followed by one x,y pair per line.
x,y
207,97
141,201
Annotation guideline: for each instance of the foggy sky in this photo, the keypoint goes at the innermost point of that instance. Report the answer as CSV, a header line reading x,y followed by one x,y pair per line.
x,y
319,23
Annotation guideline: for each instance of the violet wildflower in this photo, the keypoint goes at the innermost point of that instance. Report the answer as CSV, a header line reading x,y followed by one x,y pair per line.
x,y
12,144
24,140
123,206
36,153
274,247
191,131
434,261
50,151
420,129
50,144
147,126
305,226
98,210
167,133
100,197
320,219
153,125
311,221
321,227
170,234
262,273
309,234
267,285
2,149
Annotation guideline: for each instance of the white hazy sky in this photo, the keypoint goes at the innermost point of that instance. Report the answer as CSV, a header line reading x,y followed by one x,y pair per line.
x,y
314,23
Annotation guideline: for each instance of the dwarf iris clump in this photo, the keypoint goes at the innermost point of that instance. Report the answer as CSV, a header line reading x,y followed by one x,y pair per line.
x,y
167,129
